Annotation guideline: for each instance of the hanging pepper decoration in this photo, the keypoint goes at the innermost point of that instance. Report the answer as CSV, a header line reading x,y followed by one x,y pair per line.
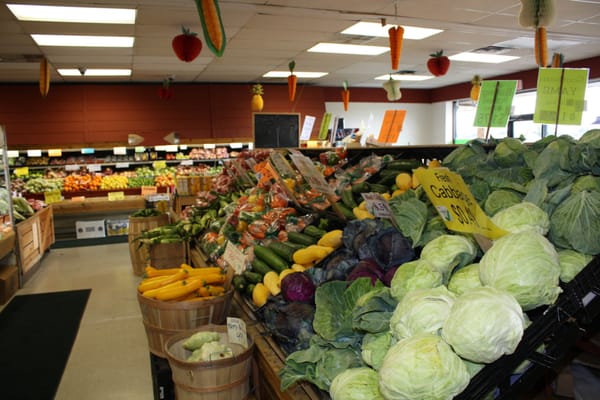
x,y
292,81
212,25
346,95
44,77
538,14
166,91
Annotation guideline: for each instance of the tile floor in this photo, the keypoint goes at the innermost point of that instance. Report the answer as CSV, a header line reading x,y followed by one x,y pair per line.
x,y
110,357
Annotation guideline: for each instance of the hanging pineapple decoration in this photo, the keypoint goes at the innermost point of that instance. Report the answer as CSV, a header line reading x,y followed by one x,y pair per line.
x,y
476,83
257,103
538,14
44,77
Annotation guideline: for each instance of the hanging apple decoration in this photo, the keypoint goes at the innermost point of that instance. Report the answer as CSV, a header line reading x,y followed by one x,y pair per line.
x,y
186,45
438,64
166,91
257,103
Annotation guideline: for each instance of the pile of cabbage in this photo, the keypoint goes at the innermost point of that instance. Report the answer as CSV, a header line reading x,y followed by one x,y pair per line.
x,y
447,314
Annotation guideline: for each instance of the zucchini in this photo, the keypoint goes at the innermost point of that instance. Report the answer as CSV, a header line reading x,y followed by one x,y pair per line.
x,y
347,212
282,250
301,238
347,197
260,267
313,231
292,245
239,283
405,165
249,289
252,277
379,188
270,258
388,179
361,187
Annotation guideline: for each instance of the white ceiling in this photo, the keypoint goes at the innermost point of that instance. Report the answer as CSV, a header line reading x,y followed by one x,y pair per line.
x,y
265,35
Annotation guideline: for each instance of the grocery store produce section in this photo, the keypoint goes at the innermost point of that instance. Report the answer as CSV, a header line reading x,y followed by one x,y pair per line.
x,y
354,277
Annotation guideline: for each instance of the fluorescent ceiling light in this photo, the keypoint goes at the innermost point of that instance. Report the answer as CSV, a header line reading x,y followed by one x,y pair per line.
x,y
377,30
404,77
337,48
83,41
482,57
299,74
93,15
94,72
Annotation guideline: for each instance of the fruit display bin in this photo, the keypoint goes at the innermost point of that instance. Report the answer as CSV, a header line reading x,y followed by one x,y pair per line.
x,y
546,343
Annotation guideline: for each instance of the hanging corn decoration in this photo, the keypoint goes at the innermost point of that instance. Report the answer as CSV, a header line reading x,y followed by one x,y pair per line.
x,y
476,83
212,25
538,14
44,77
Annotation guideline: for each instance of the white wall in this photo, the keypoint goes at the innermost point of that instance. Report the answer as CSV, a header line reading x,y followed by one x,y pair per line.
x,y
424,124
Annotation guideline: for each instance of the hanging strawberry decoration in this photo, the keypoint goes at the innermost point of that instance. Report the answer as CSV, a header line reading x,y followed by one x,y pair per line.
x,y
166,91
438,64
186,45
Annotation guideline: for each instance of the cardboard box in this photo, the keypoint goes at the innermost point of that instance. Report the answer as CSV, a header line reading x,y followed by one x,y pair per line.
x,y
90,229
117,227
9,282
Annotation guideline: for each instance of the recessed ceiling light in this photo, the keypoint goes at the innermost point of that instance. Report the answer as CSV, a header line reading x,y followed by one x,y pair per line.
x,y
94,15
83,41
377,30
93,72
299,74
482,57
355,49
404,77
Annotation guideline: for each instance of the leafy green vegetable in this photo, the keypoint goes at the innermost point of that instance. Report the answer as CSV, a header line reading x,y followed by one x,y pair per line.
x,y
374,348
521,217
450,251
416,274
571,263
465,279
525,265
484,324
422,367
410,216
575,223
500,199
373,310
509,152
356,384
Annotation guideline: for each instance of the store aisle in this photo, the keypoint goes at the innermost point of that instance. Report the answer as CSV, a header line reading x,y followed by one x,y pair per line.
x,y
110,358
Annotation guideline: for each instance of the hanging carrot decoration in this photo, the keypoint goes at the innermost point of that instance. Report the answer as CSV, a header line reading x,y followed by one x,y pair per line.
x,y
292,81
396,35
212,25
538,14
557,60
346,96
44,77
476,83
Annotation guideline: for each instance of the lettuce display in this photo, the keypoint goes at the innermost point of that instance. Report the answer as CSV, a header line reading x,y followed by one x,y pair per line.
x,y
422,367
484,324
356,384
525,265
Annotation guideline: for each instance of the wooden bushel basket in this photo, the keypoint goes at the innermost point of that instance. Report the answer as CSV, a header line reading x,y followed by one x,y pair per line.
x,y
168,255
138,253
224,379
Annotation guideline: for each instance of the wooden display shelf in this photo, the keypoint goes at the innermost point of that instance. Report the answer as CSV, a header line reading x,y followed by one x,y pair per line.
x,y
98,205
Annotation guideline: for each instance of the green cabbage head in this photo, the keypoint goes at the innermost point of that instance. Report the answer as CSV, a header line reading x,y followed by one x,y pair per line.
x,y
374,348
423,310
522,217
447,252
484,324
422,367
360,383
416,274
571,263
464,279
524,264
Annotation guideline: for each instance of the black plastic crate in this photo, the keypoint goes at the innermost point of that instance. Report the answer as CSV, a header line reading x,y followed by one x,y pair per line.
x,y
162,380
583,293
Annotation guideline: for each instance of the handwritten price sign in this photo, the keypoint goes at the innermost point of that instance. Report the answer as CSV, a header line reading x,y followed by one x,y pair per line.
x,y
236,331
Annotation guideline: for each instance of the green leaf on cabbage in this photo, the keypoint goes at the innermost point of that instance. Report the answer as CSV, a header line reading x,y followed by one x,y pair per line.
x,y
450,251
373,310
571,263
416,274
500,199
410,216
374,348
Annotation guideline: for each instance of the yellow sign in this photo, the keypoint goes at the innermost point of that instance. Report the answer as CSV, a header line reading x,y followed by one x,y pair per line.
x,y
55,152
52,196
112,196
22,171
455,203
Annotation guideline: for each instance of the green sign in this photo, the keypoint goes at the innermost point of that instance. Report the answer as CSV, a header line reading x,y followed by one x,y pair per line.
x,y
495,102
560,95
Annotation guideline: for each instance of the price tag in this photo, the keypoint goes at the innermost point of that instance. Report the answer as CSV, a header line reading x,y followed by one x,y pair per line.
x,y
87,151
307,127
94,167
72,167
113,196
455,203
54,152
140,149
235,258
281,164
122,165
120,151
34,153
310,173
52,196
149,190
377,205
22,171
159,164
495,102
560,95
209,146
236,331
185,163
78,198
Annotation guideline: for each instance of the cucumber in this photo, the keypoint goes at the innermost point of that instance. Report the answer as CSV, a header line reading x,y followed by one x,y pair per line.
x,y
270,258
313,231
249,289
346,211
379,188
404,165
361,187
292,245
387,180
252,277
239,283
348,198
260,267
301,238
282,251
